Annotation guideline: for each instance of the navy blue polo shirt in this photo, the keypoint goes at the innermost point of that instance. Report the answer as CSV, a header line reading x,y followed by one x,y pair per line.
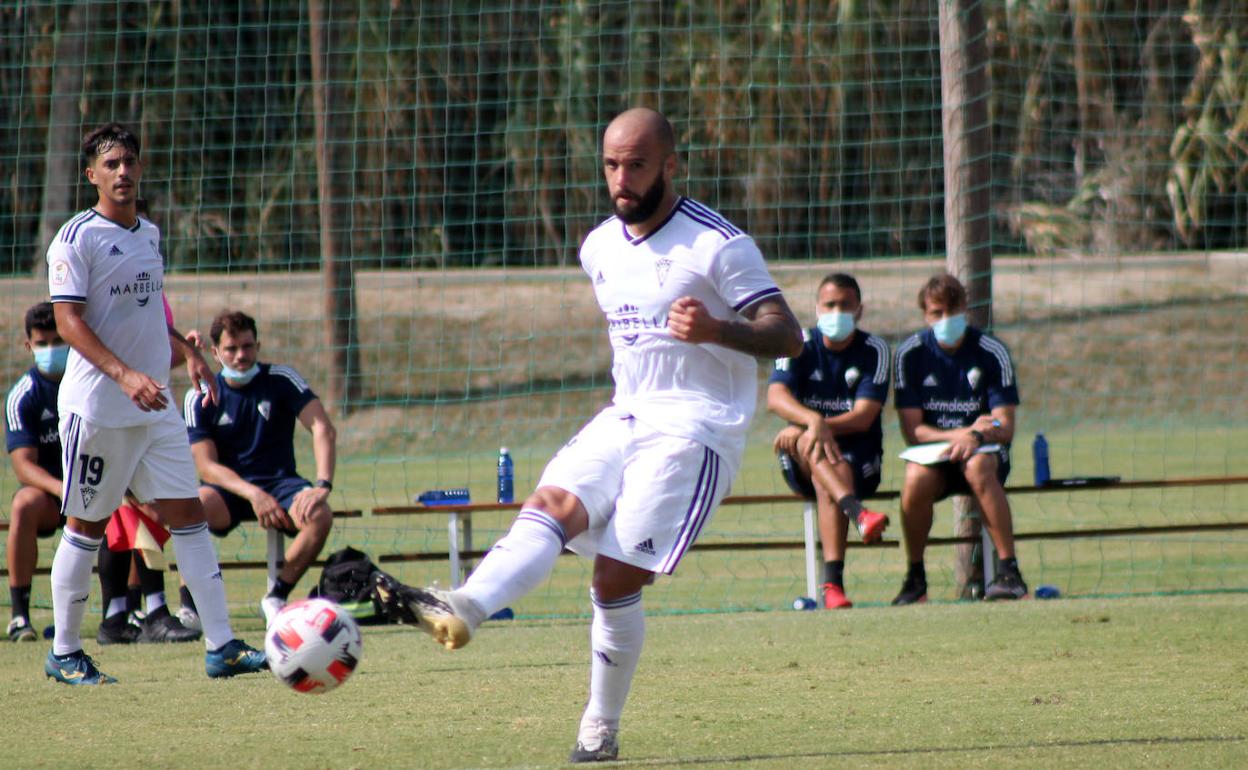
x,y
830,381
253,427
954,389
32,420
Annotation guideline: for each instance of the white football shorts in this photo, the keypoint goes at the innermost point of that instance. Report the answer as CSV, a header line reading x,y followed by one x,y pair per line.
x,y
648,495
153,461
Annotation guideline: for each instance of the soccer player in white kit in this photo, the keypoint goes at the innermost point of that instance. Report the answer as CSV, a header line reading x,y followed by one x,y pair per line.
x,y
118,430
689,305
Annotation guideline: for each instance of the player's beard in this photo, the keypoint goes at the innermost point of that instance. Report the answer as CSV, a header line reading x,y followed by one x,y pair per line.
x,y
645,206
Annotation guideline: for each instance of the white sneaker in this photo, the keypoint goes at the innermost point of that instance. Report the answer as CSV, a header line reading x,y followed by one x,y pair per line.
x,y
20,631
270,606
596,741
190,619
449,619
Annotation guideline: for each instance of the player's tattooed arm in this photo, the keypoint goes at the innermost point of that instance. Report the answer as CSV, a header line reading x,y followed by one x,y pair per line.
x,y
769,330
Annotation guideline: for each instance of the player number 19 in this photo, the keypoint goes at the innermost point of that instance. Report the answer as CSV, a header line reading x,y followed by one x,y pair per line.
x,y
92,469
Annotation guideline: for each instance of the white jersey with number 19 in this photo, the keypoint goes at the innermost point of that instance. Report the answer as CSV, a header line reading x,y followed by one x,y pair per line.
x,y
701,392
117,273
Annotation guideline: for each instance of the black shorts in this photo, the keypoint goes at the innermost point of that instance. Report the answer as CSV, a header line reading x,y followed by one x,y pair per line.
x,y
955,479
866,475
283,491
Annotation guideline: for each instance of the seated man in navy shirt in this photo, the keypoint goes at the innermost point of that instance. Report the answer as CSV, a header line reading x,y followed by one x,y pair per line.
x,y
832,395
956,383
244,448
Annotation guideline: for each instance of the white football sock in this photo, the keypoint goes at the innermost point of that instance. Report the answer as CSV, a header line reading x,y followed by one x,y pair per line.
x,y
71,584
116,606
197,562
615,640
517,563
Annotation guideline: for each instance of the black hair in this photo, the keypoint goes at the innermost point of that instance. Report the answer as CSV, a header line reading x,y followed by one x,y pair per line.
x,y
104,138
842,281
40,317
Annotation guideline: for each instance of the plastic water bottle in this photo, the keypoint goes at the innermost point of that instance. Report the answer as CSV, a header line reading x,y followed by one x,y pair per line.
x,y
1040,459
506,477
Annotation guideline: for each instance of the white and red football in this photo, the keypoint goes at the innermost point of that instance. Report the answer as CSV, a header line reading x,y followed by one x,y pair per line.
x,y
313,645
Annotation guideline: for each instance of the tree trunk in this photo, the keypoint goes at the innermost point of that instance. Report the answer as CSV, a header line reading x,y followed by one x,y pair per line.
x,y
60,170
964,91
331,72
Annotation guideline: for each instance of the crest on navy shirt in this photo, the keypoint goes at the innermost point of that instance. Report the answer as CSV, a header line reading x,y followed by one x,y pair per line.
x,y
661,268
852,375
264,407
972,378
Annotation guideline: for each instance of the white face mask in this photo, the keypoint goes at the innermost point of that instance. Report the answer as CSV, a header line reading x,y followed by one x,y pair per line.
x,y
240,378
950,329
836,326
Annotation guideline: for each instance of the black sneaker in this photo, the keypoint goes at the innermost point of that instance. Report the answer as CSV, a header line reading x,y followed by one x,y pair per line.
x,y
913,591
1006,585
160,627
117,633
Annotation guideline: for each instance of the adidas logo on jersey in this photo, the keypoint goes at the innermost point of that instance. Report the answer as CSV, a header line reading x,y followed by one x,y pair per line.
x,y
115,252
47,414
930,381
598,279
816,375
224,419
645,546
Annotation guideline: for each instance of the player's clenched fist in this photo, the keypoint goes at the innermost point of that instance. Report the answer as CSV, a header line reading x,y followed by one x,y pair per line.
x,y
690,321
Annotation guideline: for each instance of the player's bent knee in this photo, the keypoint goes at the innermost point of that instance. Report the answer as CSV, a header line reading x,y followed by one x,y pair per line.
x,y
615,579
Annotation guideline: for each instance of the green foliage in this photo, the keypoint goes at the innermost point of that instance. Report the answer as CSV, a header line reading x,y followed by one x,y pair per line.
x,y
474,128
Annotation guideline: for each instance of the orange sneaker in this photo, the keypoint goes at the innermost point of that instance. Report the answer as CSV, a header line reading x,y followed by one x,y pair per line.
x,y
834,598
871,525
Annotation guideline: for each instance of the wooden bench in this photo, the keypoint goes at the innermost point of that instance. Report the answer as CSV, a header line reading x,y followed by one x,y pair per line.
x,y
460,547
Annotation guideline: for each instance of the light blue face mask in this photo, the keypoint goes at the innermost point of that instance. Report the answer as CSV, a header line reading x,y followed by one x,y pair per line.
x,y
950,329
240,378
836,326
51,359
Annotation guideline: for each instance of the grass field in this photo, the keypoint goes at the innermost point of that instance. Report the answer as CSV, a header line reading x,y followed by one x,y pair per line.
x,y
1127,683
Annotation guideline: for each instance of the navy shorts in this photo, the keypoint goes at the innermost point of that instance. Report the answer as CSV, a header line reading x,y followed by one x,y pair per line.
x,y
866,475
955,479
283,491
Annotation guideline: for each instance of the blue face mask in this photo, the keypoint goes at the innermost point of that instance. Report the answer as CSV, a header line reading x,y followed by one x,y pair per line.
x,y
51,360
240,378
950,329
836,326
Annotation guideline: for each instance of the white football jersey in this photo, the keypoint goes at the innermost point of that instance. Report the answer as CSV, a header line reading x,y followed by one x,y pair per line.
x,y
701,392
118,273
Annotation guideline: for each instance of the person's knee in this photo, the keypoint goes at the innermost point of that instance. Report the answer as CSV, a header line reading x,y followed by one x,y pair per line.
x,y
981,474
33,511
320,519
921,486
216,513
615,579
561,505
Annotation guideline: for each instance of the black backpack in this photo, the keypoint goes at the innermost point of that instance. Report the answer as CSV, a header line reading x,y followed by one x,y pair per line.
x,y
348,579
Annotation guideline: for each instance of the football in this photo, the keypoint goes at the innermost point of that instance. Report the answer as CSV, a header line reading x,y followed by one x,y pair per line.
x,y
313,645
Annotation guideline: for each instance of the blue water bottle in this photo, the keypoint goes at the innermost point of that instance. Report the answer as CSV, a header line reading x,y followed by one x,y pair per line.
x,y
506,477
1040,459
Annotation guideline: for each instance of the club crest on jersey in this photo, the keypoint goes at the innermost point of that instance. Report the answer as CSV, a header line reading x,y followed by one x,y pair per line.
x,y
60,272
852,375
972,378
264,408
661,269
88,494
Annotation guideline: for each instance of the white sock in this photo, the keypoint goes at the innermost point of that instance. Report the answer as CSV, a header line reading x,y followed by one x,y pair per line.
x,y
197,561
116,606
155,601
517,563
615,640
71,584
